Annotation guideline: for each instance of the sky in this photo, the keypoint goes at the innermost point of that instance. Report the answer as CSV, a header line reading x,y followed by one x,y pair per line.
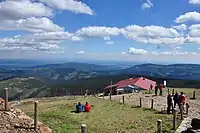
x,y
118,30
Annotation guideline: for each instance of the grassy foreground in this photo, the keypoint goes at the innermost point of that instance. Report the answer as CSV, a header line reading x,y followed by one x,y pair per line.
x,y
106,116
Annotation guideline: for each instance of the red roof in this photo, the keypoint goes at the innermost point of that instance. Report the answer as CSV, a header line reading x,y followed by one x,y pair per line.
x,y
141,82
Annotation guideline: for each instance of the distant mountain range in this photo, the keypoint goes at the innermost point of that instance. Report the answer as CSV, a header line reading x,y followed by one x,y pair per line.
x,y
73,71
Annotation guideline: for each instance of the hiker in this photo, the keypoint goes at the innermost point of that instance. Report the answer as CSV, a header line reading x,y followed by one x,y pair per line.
x,y
79,107
169,103
160,88
87,107
176,99
182,100
156,90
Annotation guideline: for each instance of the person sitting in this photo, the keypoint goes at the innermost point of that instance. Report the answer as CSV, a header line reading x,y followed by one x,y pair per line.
x,y
79,108
87,107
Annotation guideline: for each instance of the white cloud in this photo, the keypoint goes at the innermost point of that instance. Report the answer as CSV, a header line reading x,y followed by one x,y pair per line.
x,y
48,42
19,9
98,31
181,27
109,42
106,38
136,51
147,4
189,16
31,24
70,5
80,52
194,1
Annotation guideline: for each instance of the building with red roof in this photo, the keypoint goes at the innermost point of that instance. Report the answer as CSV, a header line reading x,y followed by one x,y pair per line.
x,y
140,83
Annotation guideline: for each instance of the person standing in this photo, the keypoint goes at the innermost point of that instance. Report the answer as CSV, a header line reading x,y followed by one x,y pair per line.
x,y
182,100
176,99
156,90
160,88
169,103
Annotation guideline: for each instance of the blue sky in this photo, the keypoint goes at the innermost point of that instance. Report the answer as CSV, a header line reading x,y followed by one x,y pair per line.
x,y
131,30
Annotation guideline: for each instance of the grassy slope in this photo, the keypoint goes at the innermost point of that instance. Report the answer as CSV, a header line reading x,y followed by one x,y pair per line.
x,y
17,85
106,117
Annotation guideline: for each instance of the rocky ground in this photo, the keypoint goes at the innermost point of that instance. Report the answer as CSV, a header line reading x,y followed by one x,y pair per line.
x,y
15,121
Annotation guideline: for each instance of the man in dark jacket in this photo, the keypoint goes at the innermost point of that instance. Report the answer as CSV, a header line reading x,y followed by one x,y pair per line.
x,y
169,103
176,99
156,90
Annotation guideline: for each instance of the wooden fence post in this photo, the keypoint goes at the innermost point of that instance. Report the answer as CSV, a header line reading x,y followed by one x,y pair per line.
x,y
194,95
140,102
111,90
181,111
151,103
174,119
83,128
6,98
159,126
187,108
123,99
36,115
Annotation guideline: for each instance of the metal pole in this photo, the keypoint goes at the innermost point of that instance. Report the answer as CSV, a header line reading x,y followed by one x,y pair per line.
x,y
6,98
111,90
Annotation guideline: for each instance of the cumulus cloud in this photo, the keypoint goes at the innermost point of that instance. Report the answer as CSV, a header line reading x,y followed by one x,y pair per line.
x,y
31,24
194,1
48,42
70,5
19,9
98,31
136,51
189,16
80,52
147,4
181,27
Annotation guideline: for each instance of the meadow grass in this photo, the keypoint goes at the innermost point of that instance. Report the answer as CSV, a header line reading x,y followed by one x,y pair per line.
x,y
105,117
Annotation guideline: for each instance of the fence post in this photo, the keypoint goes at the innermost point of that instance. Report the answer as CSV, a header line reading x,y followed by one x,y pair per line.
x,y
111,90
151,103
159,126
194,95
187,108
181,111
123,99
6,98
174,119
83,128
173,92
140,102
35,115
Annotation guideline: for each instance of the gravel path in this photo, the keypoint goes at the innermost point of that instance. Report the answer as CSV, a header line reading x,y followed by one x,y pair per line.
x,y
160,103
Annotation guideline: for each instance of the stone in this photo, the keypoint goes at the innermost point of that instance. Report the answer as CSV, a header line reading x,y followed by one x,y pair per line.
x,y
195,123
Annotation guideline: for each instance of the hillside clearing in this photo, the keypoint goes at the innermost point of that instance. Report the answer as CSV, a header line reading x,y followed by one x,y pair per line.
x,y
106,116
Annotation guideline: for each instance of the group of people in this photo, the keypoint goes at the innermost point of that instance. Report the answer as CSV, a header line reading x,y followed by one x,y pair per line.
x,y
160,88
178,100
83,108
